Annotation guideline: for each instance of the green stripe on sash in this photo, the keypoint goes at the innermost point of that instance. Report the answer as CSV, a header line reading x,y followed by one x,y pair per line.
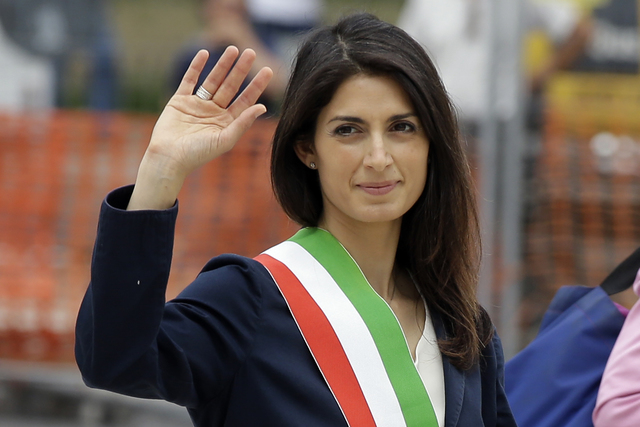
x,y
380,320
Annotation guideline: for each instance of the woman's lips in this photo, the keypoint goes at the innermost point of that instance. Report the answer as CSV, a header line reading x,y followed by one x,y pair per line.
x,y
378,188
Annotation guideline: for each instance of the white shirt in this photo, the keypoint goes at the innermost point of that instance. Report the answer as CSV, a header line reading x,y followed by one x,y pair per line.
x,y
26,81
287,12
429,365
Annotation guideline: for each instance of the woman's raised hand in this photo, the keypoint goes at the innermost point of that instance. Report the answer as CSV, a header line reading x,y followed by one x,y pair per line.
x,y
192,131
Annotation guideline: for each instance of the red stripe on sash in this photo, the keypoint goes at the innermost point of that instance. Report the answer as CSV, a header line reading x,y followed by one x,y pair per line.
x,y
323,343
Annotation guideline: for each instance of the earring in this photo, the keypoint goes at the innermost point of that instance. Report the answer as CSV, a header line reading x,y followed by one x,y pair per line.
x,y
312,165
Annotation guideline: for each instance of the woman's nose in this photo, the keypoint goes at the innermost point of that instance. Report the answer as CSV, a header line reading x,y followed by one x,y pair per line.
x,y
378,156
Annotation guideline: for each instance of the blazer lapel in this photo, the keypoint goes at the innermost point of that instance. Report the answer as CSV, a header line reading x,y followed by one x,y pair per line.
x,y
454,382
454,385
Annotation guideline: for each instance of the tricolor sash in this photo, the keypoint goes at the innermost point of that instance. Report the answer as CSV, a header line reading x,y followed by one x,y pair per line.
x,y
352,333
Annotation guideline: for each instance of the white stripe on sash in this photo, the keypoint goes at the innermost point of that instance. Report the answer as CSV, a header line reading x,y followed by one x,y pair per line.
x,y
350,329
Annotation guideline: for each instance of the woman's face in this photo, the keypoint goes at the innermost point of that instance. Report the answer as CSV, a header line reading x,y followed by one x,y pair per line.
x,y
370,151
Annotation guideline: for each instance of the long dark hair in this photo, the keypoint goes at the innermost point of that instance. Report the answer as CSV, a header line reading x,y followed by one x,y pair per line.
x,y
439,241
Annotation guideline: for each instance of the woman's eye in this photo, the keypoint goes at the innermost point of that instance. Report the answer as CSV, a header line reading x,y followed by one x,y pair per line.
x,y
345,130
404,127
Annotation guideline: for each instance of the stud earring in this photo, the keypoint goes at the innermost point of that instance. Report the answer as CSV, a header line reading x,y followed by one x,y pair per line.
x,y
312,165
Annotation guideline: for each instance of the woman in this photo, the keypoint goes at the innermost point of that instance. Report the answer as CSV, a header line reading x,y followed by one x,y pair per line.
x,y
368,315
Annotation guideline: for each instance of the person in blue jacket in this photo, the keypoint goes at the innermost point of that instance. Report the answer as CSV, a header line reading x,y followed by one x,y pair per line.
x,y
368,315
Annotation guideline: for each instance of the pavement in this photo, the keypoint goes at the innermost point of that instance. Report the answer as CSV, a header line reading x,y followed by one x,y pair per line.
x,y
52,395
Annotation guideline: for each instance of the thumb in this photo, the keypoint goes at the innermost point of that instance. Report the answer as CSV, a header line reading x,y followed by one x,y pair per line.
x,y
242,123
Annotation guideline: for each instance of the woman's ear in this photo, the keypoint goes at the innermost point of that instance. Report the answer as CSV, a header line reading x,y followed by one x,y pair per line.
x,y
306,153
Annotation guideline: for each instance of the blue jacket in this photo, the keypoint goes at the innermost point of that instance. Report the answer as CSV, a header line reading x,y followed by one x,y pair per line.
x,y
227,347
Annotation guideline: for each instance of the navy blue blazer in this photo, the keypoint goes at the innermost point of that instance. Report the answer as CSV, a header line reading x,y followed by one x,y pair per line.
x,y
227,347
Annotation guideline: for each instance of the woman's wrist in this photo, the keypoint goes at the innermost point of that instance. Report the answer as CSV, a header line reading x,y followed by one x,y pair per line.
x,y
156,187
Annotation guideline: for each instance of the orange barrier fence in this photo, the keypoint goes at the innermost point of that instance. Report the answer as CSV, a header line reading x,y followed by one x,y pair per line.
x,y
56,168
585,213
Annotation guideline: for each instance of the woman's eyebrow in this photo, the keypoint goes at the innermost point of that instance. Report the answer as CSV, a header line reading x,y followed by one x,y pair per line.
x,y
402,116
355,119
346,119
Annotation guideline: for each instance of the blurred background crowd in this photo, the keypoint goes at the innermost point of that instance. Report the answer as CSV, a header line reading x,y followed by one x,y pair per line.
x,y
547,92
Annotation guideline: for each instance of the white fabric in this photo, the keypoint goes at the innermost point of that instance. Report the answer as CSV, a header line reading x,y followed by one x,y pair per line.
x,y
455,34
287,12
429,365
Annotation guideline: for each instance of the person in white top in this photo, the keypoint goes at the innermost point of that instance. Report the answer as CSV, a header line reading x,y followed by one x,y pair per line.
x,y
455,34
26,81
281,24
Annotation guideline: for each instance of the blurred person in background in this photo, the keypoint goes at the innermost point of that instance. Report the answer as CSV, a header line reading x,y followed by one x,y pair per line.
x,y
614,45
62,31
27,81
455,33
618,402
281,24
227,22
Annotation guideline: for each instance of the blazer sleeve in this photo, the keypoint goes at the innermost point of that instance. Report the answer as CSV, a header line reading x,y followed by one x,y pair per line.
x,y
129,341
618,402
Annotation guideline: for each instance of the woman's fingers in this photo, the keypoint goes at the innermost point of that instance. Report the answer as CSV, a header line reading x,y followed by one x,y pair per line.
x,y
226,78
229,88
252,92
190,78
220,71
215,77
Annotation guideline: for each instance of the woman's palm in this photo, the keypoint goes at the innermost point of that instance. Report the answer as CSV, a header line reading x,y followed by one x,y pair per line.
x,y
191,132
